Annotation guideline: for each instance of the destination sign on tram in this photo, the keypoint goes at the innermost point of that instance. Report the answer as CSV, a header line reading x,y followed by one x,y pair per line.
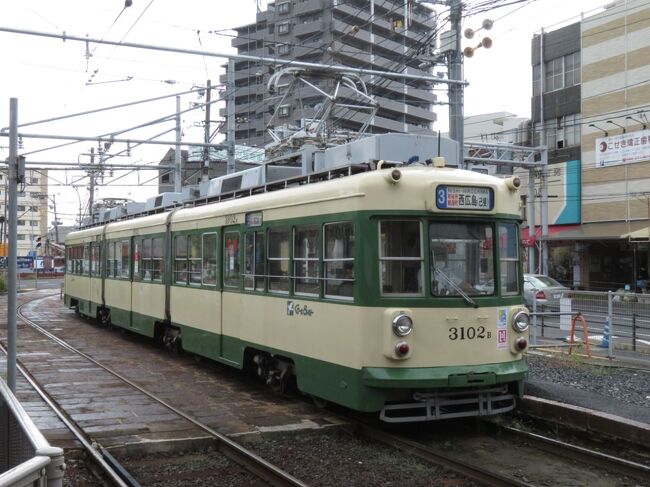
x,y
464,198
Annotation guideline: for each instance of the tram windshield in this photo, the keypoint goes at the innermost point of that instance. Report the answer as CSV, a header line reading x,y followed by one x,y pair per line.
x,y
462,259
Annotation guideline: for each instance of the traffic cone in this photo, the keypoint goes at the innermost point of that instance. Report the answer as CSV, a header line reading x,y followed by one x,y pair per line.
x,y
604,342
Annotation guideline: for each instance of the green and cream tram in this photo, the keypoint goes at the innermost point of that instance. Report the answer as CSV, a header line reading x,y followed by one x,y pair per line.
x,y
395,291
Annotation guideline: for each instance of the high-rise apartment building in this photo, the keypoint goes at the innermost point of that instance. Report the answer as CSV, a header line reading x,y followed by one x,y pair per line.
x,y
32,209
372,34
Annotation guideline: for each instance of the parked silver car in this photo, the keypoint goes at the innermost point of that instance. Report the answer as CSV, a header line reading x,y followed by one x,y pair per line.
x,y
544,289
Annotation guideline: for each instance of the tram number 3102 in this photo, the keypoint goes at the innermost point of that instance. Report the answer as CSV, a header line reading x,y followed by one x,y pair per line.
x,y
468,333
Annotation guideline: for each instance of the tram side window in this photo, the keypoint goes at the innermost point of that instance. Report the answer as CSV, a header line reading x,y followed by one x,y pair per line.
x,y
136,259
85,266
209,260
305,260
152,259
509,257
94,259
125,247
194,258
339,259
110,259
180,263
400,255
156,259
254,262
231,259
279,260
145,257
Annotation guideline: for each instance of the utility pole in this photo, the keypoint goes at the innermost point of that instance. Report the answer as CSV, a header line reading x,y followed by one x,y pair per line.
x,y
205,174
91,187
56,221
531,220
12,215
456,116
177,152
230,116
544,178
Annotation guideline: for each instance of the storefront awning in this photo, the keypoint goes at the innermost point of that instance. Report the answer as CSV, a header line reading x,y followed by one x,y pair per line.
x,y
641,235
602,231
552,230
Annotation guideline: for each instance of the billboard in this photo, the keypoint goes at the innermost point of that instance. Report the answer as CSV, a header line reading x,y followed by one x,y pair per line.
x,y
623,149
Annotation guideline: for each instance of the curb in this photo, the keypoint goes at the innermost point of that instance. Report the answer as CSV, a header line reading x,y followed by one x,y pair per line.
x,y
587,419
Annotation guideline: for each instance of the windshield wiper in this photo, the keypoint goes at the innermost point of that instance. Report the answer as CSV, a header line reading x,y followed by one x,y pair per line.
x,y
455,286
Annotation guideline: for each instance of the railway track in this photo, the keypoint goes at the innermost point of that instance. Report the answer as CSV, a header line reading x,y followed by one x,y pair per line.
x,y
490,476
581,454
274,474
110,467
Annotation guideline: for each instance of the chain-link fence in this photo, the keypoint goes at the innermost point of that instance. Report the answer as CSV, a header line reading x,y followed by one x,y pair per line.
x,y
621,318
26,458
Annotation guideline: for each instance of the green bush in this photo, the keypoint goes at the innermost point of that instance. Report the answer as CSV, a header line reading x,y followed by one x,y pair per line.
x,y
3,285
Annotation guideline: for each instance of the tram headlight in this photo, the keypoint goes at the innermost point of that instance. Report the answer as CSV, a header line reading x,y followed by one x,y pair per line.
x,y
520,321
402,325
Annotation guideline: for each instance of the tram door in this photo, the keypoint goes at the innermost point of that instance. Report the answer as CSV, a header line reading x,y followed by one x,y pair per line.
x,y
95,272
231,291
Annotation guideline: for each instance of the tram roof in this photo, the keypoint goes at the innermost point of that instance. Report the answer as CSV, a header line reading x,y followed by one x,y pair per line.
x,y
368,190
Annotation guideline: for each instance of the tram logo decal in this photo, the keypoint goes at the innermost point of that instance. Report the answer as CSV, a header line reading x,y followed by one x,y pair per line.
x,y
297,309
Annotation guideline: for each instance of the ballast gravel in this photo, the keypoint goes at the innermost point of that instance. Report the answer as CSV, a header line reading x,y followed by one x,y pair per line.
x,y
603,386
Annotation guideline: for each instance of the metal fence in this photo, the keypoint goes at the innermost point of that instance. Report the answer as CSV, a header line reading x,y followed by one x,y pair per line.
x,y
26,458
622,318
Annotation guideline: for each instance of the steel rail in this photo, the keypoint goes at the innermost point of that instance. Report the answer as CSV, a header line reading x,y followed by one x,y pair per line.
x,y
255,464
473,472
74,429
582,454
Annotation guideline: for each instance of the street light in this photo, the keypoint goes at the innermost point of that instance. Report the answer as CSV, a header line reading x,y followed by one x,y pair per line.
x,y
596,127
614,123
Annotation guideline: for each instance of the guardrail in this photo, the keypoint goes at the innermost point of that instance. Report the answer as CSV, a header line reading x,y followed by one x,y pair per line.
x,y
26,458
621,313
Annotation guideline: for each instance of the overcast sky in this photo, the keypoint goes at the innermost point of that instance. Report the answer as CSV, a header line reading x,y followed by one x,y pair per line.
x,y
52,78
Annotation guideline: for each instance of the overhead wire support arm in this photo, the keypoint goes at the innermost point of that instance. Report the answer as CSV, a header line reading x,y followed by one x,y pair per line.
x,y
113,139
242,57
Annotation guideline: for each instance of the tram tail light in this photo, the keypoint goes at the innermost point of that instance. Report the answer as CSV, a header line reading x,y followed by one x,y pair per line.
x,y
402,349
520,344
